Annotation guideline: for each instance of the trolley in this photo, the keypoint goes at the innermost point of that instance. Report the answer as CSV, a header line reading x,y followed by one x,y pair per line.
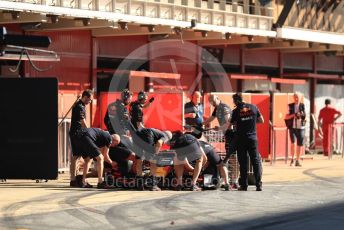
x,y
217,140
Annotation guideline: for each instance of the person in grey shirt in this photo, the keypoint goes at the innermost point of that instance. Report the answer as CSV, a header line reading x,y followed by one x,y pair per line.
x,y
222,112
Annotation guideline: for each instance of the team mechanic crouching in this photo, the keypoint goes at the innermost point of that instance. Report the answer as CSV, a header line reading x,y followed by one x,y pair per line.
x,y
95,144
120,155
213,158
187,147
147,143
215,161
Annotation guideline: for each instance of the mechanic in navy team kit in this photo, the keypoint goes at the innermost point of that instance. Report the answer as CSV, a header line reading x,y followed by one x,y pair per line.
x,y
137,107
187,148
244,117
215,162
147,144
121,156
95,144
117,116
78,124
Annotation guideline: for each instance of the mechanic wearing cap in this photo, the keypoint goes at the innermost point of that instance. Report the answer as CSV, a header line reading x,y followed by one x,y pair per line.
x,y
147,143
187,149
223,113
117,116
136,109
245,117
193,111
95,144
78,124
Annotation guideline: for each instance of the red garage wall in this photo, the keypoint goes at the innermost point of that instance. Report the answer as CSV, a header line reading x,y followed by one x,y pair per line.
x,y
175,57
254,58
330,63
298,61
122,46
279,110
262,101
74,70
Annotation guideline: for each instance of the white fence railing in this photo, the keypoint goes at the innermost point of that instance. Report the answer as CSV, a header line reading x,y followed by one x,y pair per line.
x,y
219,13
64,147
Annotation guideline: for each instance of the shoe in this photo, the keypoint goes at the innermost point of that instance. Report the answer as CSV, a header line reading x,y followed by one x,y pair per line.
x,y
196,188
241,188
77,182
226,187
155,188
291,162
140,185
234,186
259,188
102,185
179,187
87,185
74,183
297,164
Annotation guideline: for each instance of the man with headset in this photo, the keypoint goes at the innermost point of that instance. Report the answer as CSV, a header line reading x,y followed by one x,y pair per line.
x,y
117,119
117,116
137,107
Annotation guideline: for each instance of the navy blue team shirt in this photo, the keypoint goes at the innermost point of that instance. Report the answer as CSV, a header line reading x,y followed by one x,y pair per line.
x,y
245,116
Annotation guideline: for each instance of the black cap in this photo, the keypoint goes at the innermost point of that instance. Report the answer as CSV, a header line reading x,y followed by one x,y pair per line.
x,y
142,95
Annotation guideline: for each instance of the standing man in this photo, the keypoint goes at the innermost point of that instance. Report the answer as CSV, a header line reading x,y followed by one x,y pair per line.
x,y
193,111
223,114
77,128
297,114
117,118
136,109
327,116
245,116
